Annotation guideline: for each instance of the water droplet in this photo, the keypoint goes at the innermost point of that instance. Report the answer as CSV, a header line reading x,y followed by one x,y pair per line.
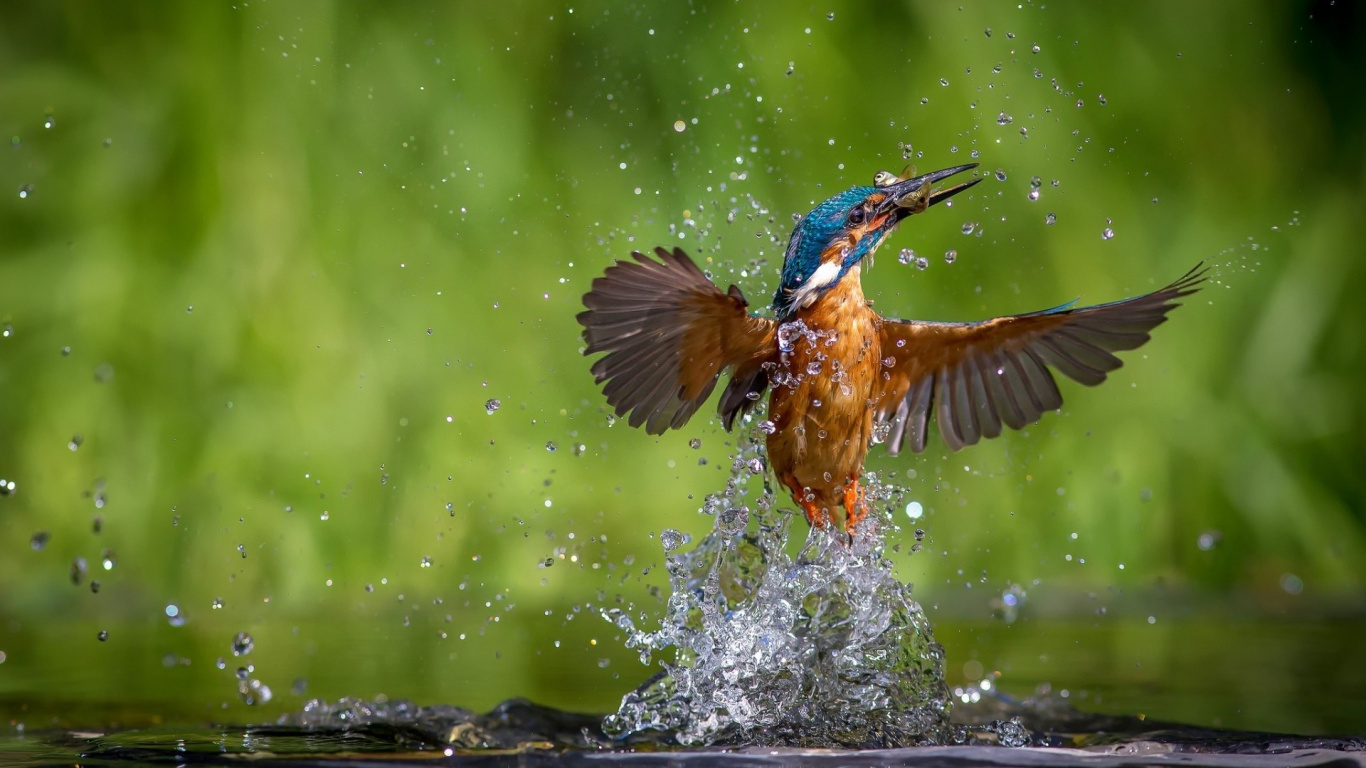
x,y
49,121
242,644
1035,182
1050,219
1034,48
103,635
1079,103
426,561
922,263
1033,195
78,569
6,331
1108,234
39,540
107,560
680,126
1000,174
254,692
25,190
551,446
1209,540
1004,119
968,227
75,442
1101,99
671,539
695,443
217,603
492,405
943,81
1292,584
767,427
915,510
950,255
755,466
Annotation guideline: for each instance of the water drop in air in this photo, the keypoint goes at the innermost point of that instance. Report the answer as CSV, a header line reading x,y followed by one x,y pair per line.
x,y
242,644
492,405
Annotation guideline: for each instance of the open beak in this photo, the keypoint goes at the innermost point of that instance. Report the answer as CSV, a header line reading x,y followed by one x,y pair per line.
x,y
915,195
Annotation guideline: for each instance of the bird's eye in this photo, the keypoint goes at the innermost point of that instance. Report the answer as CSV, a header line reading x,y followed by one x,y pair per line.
x,y
856,216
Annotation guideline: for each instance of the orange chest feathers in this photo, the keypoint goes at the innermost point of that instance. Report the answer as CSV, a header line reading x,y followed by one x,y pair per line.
x,y
829,355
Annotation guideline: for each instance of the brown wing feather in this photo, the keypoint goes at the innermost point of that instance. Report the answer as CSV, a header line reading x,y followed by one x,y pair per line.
x,y
974,378
668,333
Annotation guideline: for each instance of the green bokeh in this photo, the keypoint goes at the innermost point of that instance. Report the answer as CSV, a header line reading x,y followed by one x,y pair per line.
x,y
270,260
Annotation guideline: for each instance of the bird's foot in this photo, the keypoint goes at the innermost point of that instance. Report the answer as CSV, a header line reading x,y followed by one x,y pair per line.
x,y
855,507
816,515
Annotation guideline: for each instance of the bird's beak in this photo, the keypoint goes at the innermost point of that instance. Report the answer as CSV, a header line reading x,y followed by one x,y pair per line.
x,y
915,195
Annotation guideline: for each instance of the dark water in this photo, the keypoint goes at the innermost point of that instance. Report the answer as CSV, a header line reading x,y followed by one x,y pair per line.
x,y
519,733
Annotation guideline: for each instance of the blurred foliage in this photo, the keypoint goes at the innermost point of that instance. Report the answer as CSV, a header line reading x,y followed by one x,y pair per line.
x,y
264,264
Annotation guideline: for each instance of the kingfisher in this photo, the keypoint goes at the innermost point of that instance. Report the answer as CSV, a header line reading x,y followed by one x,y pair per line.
x,y
841,377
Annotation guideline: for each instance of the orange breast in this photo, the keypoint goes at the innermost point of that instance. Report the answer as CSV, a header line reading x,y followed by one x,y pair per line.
x,y
822,392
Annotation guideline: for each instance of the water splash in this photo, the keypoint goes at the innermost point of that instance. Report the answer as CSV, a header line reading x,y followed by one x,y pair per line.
x,y
822,649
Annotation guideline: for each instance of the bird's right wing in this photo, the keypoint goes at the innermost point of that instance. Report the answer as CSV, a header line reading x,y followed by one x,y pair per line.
x,y
669,332
974,377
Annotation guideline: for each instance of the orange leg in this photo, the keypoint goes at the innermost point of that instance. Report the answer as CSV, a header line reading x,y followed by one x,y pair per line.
x,y
855,506
816,515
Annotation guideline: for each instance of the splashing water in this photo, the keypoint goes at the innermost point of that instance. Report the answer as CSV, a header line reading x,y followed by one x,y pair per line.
x,y
822,649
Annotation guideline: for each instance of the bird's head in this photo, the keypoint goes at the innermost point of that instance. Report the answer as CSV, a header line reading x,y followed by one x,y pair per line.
x,y
837,234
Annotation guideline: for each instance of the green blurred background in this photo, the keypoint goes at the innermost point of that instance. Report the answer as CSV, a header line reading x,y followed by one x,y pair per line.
x,y
263,264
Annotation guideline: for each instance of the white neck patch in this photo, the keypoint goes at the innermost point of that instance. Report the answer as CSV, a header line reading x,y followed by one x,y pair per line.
x,y
825,275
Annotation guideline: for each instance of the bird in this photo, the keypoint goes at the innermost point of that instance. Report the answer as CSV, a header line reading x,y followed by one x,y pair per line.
x,y
839,376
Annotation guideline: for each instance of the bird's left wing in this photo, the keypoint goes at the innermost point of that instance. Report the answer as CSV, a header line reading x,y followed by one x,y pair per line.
x,y
974,377
668,333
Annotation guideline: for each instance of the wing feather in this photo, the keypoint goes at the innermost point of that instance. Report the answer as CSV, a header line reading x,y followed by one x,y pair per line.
x,y
977,377
668,333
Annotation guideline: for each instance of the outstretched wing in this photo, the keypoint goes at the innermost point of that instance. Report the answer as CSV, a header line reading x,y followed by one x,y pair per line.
x,y
668,333
974,377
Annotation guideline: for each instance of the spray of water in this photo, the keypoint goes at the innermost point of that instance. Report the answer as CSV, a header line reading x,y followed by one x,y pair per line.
x,y
824,648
